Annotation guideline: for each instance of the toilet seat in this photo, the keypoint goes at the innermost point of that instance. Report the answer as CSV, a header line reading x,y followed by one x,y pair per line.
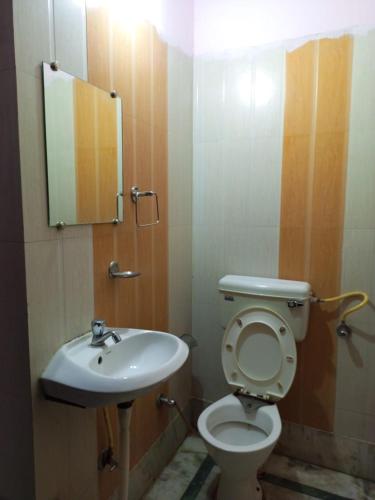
x,y
259,354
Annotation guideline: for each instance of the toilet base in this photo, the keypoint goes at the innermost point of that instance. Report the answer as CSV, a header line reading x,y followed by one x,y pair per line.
x,y
234,489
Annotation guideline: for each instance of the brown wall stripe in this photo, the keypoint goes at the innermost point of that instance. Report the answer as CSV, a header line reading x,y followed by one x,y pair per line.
x,y
318,86
136,66
96,150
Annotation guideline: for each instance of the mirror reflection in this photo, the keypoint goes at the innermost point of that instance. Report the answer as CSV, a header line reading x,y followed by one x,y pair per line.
x,y
83,127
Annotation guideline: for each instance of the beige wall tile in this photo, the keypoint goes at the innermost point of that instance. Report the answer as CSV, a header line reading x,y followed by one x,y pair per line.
x,y
33,35
78,285
65,451
54,431
33,168
59,271
355,424
45,296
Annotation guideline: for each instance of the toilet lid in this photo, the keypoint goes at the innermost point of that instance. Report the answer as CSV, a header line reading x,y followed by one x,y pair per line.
x,y
259,353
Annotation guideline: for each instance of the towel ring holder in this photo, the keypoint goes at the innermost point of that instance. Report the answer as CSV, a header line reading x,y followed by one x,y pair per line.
x,y
136,195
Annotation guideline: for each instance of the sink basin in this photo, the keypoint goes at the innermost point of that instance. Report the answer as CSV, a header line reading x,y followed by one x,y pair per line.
x,y
115,373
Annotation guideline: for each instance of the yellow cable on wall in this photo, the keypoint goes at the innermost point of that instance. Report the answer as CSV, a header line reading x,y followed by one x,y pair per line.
x,y
343,330
348,295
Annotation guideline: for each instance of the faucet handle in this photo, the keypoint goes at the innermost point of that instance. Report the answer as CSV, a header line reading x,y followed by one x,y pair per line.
x,y
97,327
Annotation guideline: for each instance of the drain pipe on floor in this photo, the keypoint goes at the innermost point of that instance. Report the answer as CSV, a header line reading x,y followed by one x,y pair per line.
x,y
124,414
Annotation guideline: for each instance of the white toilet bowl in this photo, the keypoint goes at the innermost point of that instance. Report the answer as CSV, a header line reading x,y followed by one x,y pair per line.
x,y
263,318
240,442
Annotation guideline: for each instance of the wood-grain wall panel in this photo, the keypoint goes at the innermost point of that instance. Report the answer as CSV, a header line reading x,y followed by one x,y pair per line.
x,y
312,211
143,72
107,155
126,241
123,60
144,235
137,69
295,188
327,220
98,46
85,156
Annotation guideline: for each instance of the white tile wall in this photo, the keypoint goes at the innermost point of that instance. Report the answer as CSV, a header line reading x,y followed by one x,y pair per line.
x,y
34,37
180,151
180,148
58,264
355,399
238,132
209,95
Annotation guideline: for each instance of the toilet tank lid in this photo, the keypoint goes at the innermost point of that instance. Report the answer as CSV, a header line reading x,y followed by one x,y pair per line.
x,y
269,287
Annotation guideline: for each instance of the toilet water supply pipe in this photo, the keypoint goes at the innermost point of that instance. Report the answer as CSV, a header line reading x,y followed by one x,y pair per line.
x,y
343,330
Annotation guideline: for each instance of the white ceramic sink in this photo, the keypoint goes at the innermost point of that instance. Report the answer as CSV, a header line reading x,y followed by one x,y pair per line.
x,y
96,376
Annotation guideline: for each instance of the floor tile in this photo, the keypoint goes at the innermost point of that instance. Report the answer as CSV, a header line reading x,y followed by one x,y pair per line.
x,y
210,486
320,478
193,444
192,475
177,476
272,492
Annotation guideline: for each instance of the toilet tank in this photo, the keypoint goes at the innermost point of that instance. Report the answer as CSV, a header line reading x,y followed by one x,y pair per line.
x,y
290,299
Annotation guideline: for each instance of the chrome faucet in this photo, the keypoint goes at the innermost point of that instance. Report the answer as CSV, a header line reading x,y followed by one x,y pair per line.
x,y
99,335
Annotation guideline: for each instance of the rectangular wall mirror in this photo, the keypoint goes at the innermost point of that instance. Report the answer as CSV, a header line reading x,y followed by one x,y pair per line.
x,y
83,128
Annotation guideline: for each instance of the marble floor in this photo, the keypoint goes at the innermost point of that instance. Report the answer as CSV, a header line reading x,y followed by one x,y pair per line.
x,y
192,475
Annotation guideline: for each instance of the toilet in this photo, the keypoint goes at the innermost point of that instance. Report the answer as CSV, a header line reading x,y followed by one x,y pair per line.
x,y
263,318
